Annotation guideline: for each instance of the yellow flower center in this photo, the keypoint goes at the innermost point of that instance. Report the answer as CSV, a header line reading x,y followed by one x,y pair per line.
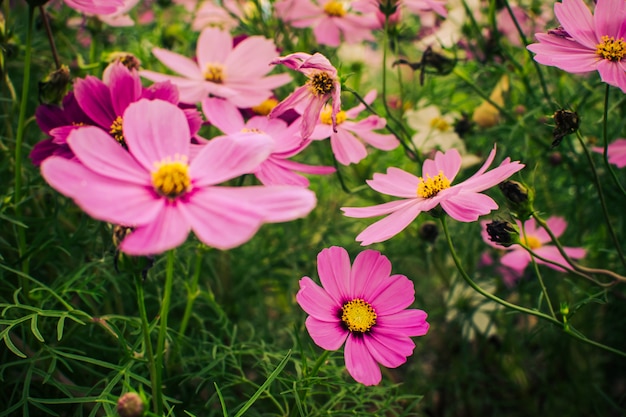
x,y
611,49
334,8
531,241
440,124
321,83
266,107
251,130
116,130
214,73
358,315
326,116
171,178
431,186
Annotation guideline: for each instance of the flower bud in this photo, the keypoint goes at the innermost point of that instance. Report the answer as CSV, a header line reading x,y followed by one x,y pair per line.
x,y
566,122
503,233
130,405
428,231
54,87
127,59
519,198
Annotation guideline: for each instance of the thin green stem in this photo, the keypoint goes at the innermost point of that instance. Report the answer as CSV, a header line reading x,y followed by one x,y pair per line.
x,y
192,292
21,125
53,48
540,279
145,330
605,211
160,347
563,325
311,374
605,138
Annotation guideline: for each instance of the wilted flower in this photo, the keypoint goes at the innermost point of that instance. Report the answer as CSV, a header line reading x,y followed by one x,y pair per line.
x,y
463,201
365,307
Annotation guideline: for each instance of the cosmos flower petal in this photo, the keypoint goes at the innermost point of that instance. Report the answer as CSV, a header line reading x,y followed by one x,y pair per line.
x,y
207,50
448,163
390,225
395,182
333,266
608,18
316,302
467,207
347,148
125,87
360,363
556,224
392,295
516,259
167,231
407,322
329,336
251,57
155,130
369,270
94,98
388,351
178,63
577,21
190,90
223,115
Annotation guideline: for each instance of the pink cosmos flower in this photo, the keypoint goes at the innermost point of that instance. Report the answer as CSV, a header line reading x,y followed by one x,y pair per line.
x,y
347,141
95,6
331,20
616,152
363,306
537,239
309,99
154,188
287,142
587,43
463,201
120,17
237,74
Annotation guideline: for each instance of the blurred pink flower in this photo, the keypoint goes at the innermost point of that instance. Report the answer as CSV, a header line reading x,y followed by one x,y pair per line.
x,y
95,6
349,139
463,202
421,6
120,17
537,239
616,152
277,169
365,307
154,189
586,43
331,20
237,74
309,99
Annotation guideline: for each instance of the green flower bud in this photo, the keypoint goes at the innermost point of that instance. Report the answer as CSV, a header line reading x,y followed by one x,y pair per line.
x,y
130,405
503,233
55,86
519,198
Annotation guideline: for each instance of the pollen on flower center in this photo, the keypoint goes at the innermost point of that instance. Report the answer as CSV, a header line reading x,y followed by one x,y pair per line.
x,y
334,8
431,186
531,241
116,129
440,124
321,83
266,107
251,130
326,116
171,178
214,73
358,315
611,49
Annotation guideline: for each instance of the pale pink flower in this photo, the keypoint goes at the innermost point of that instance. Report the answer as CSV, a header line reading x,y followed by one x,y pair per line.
x,y
309,99
331,20
420,6
237,74
277,169
616,152
537,239
363,306
463,201
120,17
154,188
349,139
95,6
587,42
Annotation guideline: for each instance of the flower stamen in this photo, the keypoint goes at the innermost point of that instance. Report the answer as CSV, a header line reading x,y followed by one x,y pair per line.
x,y
334,8
321,83
440,124
531,241
116,130
326,116
358,315
431,186
214,73
611,49
171,179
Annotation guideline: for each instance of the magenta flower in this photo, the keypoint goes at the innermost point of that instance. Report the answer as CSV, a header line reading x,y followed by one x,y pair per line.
x,y
537,239
277,169
331,20
309,99
616,152
237,74
587,43
349,139
363,306
463,201
154,189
